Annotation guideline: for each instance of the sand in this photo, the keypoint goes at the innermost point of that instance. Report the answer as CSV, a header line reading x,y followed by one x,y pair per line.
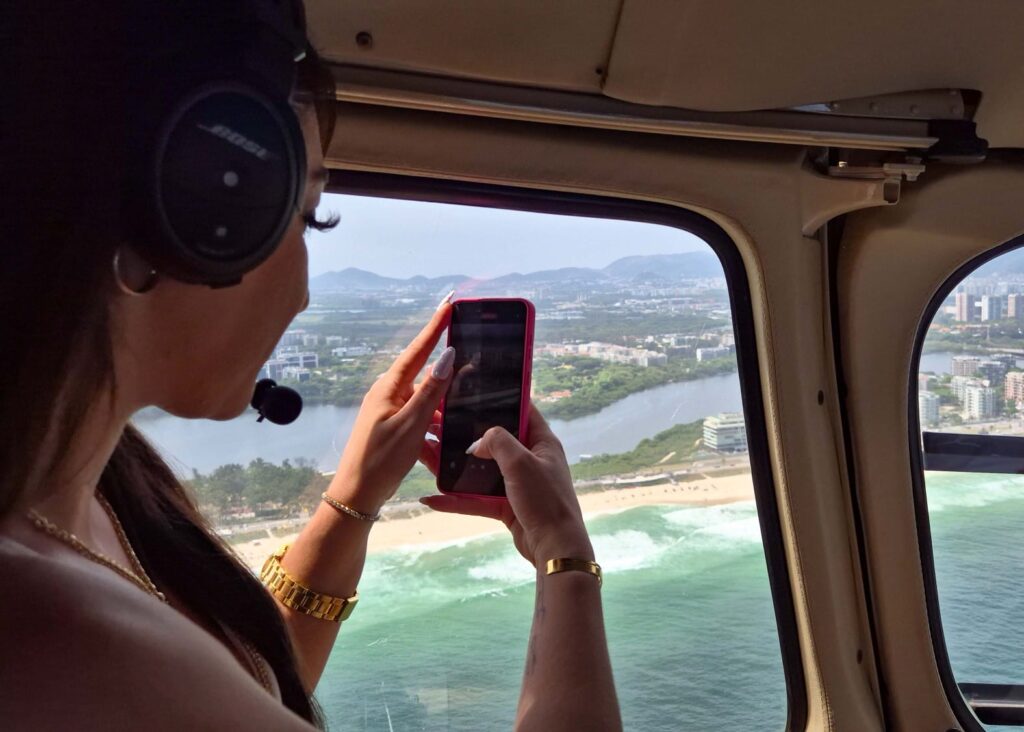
x,y
431,527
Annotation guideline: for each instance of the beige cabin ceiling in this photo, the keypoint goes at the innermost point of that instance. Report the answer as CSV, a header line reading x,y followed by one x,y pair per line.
x,y
708,55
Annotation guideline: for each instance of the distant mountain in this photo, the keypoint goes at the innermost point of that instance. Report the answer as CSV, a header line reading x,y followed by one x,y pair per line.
x,y
565,274
1011,262
638,268
354,279
667,266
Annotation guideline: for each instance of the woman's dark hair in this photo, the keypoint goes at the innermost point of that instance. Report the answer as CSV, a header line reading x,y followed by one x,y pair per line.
x,y
61,158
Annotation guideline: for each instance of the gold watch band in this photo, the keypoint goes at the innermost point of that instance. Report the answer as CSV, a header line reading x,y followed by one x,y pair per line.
x,y
294,595
568,564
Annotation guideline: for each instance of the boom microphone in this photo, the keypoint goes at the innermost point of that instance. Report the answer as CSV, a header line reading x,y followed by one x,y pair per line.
x,y
277,404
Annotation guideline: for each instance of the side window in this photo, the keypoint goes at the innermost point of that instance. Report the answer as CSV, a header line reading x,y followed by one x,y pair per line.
x,y
635,366
970,396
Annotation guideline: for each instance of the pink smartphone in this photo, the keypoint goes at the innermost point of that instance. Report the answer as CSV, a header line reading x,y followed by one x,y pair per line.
x,y
493,341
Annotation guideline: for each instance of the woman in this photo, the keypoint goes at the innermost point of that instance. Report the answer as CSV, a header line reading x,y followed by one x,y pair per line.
x,y
121,609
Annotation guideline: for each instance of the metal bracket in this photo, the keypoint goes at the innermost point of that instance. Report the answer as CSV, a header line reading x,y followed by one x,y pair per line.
x,y
892,174
908,170
927,104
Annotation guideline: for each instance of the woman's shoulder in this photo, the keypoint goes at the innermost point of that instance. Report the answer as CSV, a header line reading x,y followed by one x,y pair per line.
x,y
84,649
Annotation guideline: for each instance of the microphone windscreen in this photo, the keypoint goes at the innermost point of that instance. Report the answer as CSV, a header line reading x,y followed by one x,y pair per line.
x,y
263,387
281,405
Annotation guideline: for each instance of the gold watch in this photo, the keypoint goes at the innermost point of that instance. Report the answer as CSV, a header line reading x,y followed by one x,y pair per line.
x,y
295,596
570,564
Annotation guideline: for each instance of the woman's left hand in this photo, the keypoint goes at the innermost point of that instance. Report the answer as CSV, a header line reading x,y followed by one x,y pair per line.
x,y
388,435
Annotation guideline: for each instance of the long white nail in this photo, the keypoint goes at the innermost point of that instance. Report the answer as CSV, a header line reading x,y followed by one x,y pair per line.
x,y
471,450
446,299
443,367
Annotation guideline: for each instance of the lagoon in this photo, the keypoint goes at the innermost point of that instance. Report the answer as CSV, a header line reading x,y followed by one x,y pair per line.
x,y
321,431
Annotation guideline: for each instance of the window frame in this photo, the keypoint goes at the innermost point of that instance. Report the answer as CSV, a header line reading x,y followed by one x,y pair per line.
x,y
987,704
403,187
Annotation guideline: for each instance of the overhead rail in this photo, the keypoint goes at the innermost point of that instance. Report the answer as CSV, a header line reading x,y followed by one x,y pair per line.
x,y
359,85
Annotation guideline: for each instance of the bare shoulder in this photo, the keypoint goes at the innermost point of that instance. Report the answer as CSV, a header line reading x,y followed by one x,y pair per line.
x,y
85,650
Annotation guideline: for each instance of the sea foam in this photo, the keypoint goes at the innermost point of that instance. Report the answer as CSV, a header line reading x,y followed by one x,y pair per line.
x,y
970,490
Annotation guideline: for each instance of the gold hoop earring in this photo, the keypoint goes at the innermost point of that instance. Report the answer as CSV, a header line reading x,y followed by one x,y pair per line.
x,y
149,284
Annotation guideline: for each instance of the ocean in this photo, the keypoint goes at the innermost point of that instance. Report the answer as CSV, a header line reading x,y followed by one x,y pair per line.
x,y
439,639
977,523
438,642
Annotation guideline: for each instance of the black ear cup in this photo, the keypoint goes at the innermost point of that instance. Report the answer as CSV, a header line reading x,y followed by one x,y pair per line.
x,y
229,176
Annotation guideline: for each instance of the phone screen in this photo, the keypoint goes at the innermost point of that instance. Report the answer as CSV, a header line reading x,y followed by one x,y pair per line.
x,y
489,337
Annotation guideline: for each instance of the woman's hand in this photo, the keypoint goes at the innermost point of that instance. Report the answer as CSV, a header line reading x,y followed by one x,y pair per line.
x,y
388,435
542,510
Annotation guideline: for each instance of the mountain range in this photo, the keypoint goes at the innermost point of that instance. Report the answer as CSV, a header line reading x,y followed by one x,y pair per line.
x,y
1011,262
667,267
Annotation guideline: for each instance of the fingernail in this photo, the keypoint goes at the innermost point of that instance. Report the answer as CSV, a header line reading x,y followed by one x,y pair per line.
x,y
446,299
471,450
443,367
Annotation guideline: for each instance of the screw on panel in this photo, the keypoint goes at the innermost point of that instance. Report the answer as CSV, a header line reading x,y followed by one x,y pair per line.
x,y
364,39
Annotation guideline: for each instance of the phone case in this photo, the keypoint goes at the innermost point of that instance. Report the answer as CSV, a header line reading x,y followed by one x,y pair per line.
x,y
524,407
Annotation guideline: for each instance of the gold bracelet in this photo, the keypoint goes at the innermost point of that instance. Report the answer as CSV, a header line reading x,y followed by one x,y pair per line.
x,y
292,594
569,564
338,505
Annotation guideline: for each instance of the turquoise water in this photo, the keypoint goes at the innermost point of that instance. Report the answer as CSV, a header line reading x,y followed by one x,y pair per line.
x,y
978,538
439,640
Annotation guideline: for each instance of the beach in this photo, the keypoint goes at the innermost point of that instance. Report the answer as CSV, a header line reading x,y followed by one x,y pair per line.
x,y
424,527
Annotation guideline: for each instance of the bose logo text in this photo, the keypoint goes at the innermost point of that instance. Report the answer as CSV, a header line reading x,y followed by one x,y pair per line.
x,y
238,140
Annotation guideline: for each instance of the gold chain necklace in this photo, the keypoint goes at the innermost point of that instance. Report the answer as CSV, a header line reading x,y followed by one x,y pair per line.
x,y
138,577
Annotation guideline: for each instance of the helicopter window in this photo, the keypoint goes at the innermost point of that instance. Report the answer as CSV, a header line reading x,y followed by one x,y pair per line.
x,y
636,368
969,396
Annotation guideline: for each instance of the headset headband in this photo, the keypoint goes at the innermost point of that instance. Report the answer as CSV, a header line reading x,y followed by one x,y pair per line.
x,y
217,146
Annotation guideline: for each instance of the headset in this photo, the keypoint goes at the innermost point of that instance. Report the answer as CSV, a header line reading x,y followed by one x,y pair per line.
x,y
216,155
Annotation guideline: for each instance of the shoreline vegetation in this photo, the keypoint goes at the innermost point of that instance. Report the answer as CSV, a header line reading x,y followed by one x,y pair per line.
x,y
593,385
564,388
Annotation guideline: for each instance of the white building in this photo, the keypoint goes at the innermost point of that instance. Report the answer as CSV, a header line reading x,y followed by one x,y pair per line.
x,y
706,354
958,385
608,352
350,351
980,402
726,432
965,365
335,340
272,369
928,408
305,360
310,340
991,307
292,338
296,372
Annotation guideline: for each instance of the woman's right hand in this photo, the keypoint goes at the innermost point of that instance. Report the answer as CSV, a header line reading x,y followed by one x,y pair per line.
x,y
542,510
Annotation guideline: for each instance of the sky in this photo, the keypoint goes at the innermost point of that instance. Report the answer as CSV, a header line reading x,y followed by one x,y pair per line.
x,y
406,238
